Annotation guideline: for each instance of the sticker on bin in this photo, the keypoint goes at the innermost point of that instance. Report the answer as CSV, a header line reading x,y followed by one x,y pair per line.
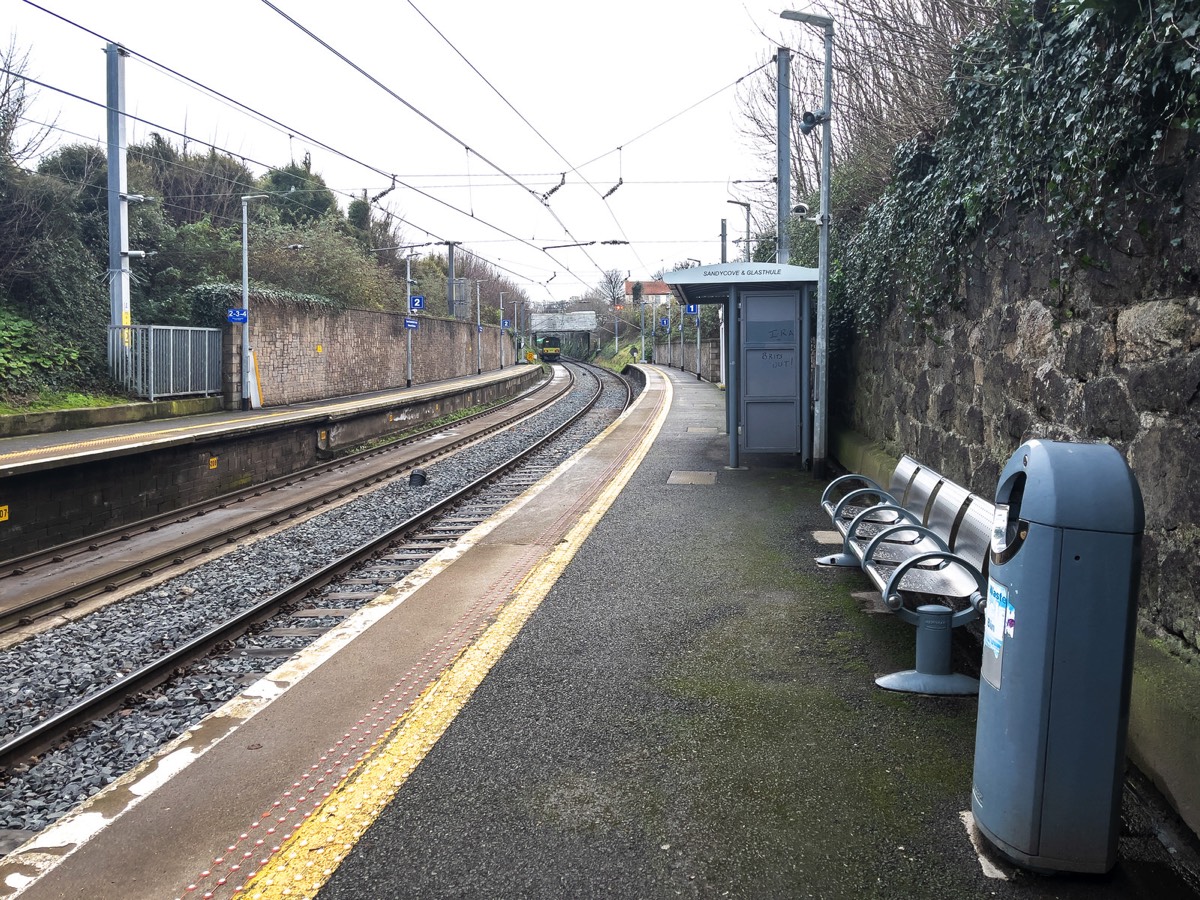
x,y
998,621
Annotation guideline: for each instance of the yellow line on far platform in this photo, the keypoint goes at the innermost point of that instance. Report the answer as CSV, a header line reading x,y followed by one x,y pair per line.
x,y
216,429
311,855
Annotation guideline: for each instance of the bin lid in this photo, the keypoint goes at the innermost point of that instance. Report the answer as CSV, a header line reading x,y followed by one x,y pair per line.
x,y
1088,487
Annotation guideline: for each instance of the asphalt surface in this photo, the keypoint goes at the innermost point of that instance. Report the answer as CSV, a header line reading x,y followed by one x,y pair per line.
x,y
691,713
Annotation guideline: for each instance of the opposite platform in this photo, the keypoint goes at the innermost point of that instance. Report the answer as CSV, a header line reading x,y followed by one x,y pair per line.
x,y
34,452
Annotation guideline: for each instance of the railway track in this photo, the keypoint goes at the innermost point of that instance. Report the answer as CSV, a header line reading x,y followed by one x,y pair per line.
x,y
380,560
61,578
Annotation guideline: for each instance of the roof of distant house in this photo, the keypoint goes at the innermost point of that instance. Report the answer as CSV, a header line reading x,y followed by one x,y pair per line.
x,y
649,288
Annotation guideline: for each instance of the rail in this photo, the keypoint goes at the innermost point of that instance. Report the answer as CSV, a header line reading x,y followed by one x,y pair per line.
x,y
46,732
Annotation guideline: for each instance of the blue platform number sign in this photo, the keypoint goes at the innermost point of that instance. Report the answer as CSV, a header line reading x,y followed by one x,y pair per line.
x,y
506,323
238,316
416,301
664,322
410,322
693,309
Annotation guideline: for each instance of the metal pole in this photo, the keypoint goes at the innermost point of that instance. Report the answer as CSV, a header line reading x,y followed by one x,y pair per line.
x,y
821,400
452,312
643,305
246,404
724,238
783,157
721,341
408,312
697,343
502,293
820,429
478,333
118,210
746,206
517,330
732,397
247,393
682,349
670,345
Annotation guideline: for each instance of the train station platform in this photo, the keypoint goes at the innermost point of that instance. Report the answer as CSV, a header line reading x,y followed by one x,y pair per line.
x,y
634,684
56,448
158,466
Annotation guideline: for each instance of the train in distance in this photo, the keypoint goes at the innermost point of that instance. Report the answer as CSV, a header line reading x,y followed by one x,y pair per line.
x,y
549,348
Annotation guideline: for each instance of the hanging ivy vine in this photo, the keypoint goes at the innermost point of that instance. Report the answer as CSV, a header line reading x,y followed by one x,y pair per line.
x,y
208,303
1056,111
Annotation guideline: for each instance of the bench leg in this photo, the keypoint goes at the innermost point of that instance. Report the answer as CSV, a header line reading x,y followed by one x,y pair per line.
x,y
839,560
932,674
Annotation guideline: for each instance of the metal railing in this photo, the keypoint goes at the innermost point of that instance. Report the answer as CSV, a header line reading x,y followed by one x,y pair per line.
x,y
156,361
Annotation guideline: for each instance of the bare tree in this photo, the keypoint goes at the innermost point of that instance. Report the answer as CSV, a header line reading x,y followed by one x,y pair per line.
x,y
612,287
18,143
891,58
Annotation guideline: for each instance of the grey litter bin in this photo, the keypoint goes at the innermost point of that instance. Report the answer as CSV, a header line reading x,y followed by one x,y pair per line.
x,y
1057,656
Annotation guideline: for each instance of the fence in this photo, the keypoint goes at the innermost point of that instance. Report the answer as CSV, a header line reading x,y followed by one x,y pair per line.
x,y
154,361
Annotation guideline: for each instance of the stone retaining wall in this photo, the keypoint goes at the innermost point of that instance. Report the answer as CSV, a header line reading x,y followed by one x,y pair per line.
x,y
306,355
1110,353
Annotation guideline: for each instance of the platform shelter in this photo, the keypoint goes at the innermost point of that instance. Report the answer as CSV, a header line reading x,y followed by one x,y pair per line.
x,y
768,311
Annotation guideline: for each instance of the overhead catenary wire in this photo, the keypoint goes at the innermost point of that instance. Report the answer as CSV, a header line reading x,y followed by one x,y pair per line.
x,y
387,173
282,127
268,166
378,83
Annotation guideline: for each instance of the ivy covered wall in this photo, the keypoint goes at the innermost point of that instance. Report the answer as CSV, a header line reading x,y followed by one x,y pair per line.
x,y
1032,272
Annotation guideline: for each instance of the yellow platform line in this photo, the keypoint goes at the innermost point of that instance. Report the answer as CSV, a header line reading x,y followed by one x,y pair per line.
x,y
217,429
308,858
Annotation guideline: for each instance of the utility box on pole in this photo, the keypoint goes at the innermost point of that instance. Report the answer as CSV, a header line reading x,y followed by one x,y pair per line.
x,y
1058,656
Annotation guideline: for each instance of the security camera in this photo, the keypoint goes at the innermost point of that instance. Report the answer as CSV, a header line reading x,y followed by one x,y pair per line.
x,y
800,209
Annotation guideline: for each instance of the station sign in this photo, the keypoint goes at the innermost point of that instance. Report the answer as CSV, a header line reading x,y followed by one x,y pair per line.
x,y
410,322
505,323
416,301
664,322
238,316
693,309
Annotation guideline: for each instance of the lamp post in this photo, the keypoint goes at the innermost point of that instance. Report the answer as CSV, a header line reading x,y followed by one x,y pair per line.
x,y
247,395
821,404
518,305
502,293
643,306
408,311
747,206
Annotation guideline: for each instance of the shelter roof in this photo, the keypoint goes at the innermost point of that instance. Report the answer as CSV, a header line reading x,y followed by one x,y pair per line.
x,y
711,284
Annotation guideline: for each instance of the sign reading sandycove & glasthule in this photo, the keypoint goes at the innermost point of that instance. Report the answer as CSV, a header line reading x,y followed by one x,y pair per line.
x,y
742,273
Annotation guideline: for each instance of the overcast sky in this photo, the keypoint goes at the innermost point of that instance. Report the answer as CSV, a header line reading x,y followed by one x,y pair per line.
x,y
636,91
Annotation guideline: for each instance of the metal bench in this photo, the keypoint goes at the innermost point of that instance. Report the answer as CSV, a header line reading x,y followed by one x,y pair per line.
x,y
843,497
930,570
858,521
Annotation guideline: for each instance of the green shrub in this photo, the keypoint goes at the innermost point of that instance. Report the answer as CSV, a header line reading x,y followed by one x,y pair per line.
x,y
31,357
